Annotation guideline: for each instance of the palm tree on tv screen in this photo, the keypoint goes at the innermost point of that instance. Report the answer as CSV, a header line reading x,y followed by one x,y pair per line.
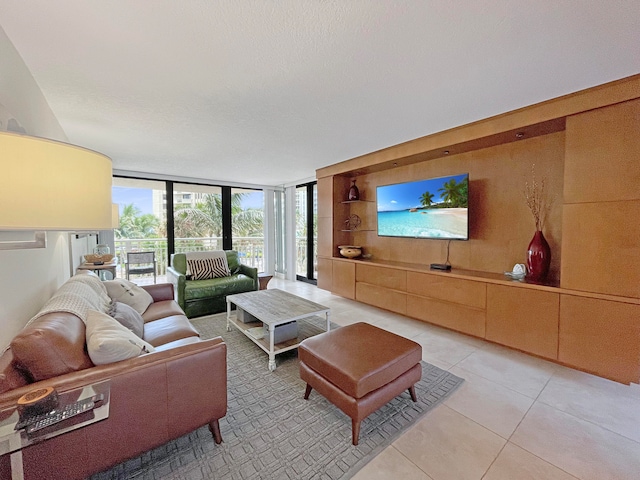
x,y
426,199
455,194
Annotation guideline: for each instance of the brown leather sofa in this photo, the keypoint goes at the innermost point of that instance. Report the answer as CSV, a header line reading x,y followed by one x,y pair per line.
x,y
154,398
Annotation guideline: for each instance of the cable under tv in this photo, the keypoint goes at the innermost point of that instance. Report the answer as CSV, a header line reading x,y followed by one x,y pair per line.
x,y
440,266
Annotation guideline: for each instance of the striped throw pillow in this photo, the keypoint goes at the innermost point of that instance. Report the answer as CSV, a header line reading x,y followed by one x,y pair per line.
x,y
205,268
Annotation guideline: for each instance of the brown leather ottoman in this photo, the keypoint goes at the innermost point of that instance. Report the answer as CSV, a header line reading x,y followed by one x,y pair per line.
x,y
359,368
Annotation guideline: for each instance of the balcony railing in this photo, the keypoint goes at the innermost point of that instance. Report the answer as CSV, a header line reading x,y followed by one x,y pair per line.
x,y
250,249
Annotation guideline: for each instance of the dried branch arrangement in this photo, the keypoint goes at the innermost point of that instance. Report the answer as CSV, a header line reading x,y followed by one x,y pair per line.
x,y
536,196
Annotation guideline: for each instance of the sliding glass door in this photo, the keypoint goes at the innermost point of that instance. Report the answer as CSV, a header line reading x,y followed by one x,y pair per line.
x,y
167,217
247,226
143,221
197,217
306,232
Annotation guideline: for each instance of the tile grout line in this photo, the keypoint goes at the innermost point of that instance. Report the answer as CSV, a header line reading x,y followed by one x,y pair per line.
x,y
410,461
522,419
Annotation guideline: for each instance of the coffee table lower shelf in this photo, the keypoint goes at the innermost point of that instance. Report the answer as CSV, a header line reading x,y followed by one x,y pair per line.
x,y
305,330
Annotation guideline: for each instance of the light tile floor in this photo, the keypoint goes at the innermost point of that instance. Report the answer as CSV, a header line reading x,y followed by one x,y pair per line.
x,y
516,417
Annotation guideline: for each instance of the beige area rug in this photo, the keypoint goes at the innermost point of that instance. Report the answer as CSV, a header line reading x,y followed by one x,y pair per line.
x,y
271,432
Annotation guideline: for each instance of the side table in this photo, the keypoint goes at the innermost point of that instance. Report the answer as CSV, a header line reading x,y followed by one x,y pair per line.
x,y
108,267
13,441
264,278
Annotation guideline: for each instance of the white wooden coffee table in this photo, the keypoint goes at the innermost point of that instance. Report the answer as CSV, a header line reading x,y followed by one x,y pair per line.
x,y
273,308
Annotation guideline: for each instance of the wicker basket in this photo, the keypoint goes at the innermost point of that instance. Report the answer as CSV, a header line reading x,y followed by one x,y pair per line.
x,y
93,258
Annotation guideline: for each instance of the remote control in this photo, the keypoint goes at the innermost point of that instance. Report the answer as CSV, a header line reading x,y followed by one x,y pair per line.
x,y
38,422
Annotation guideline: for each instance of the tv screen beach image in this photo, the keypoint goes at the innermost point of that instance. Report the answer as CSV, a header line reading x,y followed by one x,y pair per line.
x,y
433,208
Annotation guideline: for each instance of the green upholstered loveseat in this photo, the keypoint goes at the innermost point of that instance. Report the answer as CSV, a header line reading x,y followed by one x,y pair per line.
x,y
205,297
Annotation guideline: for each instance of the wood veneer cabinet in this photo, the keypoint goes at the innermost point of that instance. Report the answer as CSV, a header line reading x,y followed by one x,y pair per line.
x,y
449,315
325,273
588,145
454,290
454,303
391,278
601,337
523,318
601,231
344,279
599,334
382,287
392,300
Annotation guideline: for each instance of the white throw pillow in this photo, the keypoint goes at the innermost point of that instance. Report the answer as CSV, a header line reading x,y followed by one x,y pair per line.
x,y
129,293
128,317
108,341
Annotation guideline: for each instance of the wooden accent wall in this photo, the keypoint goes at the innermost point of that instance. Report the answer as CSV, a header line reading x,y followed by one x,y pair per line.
x,y
501,224
601,226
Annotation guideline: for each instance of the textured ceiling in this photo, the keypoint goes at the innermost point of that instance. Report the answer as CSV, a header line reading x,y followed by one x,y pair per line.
x,y
265,92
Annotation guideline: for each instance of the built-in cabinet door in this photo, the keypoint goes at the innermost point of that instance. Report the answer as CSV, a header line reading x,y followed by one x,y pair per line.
x,y
325,273
450,302
382,276
601,337
382,287
600,230
382,297
523,318
344,279
453,290
458,317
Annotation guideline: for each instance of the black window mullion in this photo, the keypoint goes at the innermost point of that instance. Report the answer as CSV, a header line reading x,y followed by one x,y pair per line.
x,y
310,231
171,236
227,239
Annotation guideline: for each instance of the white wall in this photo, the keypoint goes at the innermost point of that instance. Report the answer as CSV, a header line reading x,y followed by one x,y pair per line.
x,y
27,277
21,95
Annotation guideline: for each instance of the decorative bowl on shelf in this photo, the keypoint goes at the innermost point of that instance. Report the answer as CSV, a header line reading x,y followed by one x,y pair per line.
x,y
96,258
350,251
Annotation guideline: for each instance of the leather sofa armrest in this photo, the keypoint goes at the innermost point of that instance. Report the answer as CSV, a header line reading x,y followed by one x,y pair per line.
x,y
251,272
99,373
179,281
152,399
160,291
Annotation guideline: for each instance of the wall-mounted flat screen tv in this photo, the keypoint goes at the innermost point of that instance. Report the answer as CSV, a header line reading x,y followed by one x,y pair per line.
x,y
431,208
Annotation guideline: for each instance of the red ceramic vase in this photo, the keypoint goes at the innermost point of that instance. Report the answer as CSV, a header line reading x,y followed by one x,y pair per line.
x,y
538,257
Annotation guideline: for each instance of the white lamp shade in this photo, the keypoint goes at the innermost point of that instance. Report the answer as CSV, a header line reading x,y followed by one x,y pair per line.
x,y
115,215
50,185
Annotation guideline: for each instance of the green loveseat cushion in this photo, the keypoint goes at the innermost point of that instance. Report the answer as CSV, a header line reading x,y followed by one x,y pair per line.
x,y
217,287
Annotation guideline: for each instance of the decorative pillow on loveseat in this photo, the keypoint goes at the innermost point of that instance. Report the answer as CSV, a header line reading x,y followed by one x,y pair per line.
x,y
129,293
205,265
108,341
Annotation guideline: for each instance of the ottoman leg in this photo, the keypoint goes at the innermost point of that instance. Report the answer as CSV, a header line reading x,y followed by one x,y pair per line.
x,y
355,431
412,392
307,392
